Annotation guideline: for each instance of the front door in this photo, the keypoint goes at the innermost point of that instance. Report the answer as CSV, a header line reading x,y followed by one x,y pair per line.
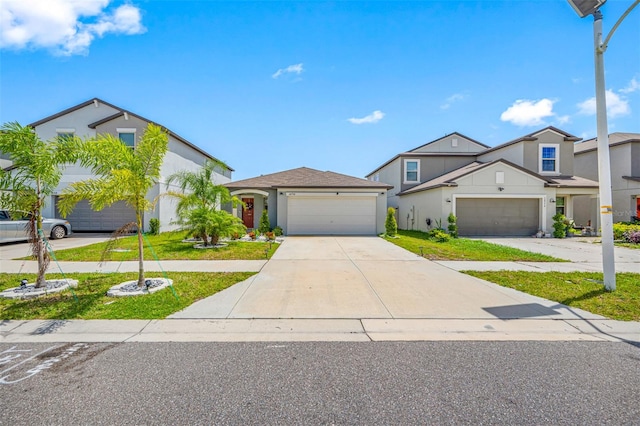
x,y
247,212
638,206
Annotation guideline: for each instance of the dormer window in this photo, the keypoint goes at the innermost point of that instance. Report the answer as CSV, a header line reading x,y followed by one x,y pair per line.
x,y
549,158
411,171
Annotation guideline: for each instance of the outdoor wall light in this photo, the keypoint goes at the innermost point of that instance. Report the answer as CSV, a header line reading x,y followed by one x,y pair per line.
x,y
448,200
552,200
500,188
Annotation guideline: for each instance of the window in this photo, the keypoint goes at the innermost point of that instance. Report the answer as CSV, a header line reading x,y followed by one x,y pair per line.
x,y
65,133
411,171
560,207
549,158
128,136
499,177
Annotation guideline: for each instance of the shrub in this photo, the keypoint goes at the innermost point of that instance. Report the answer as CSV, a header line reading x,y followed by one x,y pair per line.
x,y
154,226
277,231
621,228
559,226
438,235
632,237
453,226
390,225
264,226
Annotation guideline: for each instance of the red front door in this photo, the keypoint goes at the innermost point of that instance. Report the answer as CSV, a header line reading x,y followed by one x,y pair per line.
x,y
247,212
638,207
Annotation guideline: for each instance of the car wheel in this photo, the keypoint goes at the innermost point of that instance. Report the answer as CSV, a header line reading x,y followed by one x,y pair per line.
x,y
58,232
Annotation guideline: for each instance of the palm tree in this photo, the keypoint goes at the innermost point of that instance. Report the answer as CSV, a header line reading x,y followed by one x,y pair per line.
x,y
123,174
32,178
199,203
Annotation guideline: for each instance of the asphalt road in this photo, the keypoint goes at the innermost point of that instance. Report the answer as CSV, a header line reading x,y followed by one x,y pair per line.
x,y
320,383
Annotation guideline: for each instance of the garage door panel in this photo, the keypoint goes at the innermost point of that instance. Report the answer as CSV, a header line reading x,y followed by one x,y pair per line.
x,y
331,215
498,217
84,218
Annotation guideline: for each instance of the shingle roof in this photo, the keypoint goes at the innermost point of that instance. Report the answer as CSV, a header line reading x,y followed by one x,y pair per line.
x,y
304,177
633,178
446,136
116,115
617,138
574,182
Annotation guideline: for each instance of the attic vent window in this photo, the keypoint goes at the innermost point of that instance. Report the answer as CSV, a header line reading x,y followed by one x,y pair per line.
x,y
499,177
454,142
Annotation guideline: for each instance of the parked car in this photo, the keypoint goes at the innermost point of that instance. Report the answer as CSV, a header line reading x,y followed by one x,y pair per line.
x,y
14,228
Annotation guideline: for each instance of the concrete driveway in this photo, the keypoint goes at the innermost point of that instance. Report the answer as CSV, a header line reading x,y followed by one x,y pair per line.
x,y
367,278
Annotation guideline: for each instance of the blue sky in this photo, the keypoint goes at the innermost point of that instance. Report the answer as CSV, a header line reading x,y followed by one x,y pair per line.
x,y
342,86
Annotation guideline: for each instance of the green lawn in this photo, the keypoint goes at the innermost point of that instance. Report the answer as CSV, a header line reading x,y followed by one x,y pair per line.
x,y
583,290
94,304
464,249
169,246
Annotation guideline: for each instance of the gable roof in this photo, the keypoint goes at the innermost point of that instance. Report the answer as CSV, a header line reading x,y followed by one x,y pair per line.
x,y
304,177
532,137
446,136
450,178
615,139
118,115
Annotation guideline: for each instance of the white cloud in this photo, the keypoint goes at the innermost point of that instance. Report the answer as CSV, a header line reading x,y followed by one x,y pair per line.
x,y
295,69
451,99
374,117
616,105
528,113
633,86
68,27
563,119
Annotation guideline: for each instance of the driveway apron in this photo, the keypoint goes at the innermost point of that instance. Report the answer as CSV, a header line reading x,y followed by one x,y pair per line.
x,y
367,278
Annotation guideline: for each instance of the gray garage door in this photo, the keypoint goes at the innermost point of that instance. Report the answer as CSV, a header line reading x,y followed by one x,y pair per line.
x,y
327,215
498,217
83,218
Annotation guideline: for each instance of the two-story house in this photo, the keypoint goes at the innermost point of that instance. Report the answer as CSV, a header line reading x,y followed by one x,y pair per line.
x,y
624,153
513,189
95,117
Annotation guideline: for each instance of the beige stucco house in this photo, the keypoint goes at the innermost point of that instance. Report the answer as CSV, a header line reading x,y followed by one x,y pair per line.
x,y
513,189
306,201
624,153
95,117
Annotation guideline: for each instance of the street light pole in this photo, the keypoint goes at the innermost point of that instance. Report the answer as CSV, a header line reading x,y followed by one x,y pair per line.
x,y
604,164
584,8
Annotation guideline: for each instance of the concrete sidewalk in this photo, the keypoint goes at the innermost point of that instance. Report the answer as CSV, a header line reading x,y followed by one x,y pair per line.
x,y
537,266
304,330
28,266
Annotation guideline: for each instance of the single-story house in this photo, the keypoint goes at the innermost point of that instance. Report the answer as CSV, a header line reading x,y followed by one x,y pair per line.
x,y
306,201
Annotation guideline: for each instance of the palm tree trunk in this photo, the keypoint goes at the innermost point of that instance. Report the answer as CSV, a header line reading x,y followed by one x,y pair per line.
x,y
42,264
140,252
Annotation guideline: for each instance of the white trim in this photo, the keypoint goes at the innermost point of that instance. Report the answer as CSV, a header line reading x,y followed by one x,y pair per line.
x,y
66,130
332,194
542,206
556,159
404,174
250,191
549,130
126,130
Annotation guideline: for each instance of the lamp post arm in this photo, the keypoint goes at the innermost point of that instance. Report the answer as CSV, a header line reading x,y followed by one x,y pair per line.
x,y
605,44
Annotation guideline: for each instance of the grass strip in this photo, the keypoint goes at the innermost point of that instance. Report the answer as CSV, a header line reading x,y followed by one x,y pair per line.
x,y
93,302
583,290
465,249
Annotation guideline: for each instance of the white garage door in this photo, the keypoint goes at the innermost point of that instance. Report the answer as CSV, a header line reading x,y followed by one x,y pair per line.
x,y
83,218
331,215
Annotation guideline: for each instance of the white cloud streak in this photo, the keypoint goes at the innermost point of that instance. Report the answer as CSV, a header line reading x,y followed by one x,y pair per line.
x,y
528,113
616,105
633,86
374,117
456,97
66,27
291,69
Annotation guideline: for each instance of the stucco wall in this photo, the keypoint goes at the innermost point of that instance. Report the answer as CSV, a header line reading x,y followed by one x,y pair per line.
x,y
446,145
513,153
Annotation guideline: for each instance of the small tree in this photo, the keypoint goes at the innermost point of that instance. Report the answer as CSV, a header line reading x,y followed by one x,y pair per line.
x,y
453,226
199,204
264,226
123,174
34,175
559,226
390,224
